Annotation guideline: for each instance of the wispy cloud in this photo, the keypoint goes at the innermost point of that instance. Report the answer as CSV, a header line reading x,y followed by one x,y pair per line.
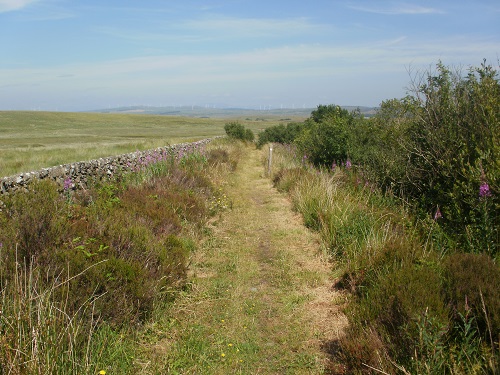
x,y
253,26
11,5
217,27
396,8
283,62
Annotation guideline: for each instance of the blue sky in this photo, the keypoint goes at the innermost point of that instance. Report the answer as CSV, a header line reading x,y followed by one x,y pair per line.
x,y
79,55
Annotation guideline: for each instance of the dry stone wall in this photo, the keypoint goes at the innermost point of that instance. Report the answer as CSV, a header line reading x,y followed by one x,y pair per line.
x,y
78,175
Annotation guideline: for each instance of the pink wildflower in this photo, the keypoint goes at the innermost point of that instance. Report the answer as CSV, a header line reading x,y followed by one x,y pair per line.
x,y
484,190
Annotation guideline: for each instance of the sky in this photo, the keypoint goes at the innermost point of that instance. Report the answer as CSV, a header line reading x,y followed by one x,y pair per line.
x,y
75,55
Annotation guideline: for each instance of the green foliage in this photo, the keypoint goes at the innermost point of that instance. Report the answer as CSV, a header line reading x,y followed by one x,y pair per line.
x,y
326,112
453,154
412,307
378,145
238,131
472,289
325,137
280,134
37,219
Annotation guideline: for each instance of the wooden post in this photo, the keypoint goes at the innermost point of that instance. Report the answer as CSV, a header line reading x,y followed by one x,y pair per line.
x,y
270,161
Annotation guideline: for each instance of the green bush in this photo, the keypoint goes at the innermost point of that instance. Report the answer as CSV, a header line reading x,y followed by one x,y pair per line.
x,y
238,131
325,138
378,145
453,148
280,134
37,219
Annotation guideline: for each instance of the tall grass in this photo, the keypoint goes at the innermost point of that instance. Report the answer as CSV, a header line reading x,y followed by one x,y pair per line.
x,y
39,336
416,305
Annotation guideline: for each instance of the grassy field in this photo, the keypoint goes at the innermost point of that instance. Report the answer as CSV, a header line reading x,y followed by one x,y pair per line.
x,y
32,140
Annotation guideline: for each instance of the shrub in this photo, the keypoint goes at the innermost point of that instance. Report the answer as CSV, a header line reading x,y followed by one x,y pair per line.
x,y
238,131
454,148
378,145
37,219
325,136
280,134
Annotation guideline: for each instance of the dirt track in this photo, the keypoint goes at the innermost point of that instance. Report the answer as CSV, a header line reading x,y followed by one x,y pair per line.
x,y
261,299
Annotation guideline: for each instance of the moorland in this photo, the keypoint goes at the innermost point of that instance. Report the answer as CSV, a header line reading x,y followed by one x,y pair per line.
x,y
363,246
30,140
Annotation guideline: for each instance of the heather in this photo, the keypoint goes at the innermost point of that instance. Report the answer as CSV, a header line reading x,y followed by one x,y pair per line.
x,y
415,304
149,273
82,270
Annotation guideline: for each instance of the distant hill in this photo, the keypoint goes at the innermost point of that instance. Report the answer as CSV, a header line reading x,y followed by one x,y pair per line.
x,y
210,112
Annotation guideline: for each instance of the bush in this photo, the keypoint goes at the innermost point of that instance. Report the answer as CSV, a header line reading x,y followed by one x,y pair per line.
x,y
37,220
325,136
238,131
454,148
378,145
280,134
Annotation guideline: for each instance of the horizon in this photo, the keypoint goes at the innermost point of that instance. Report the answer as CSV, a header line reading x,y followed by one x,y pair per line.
x,y
62,56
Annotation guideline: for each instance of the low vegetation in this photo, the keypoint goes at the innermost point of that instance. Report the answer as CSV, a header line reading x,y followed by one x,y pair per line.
x,y
238,131
82,271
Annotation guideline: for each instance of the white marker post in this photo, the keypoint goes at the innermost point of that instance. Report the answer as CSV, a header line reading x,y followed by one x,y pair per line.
x,y
270,161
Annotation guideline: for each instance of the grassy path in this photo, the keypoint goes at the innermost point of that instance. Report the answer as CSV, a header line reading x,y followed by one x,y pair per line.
x,y
260,301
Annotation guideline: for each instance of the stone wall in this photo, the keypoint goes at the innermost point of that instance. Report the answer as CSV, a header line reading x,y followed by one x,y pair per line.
x,y
78,175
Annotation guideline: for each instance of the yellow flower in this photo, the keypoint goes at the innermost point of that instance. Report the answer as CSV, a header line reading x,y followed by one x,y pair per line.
x,y
229,344
102,372
222,355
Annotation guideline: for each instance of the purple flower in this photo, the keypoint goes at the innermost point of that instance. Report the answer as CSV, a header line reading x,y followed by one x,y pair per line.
x,y
348,164
438,214
334,165
67,183
484,190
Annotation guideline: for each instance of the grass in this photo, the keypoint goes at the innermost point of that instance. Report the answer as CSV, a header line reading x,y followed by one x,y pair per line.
x,y
254,303
110,266
32,140
199,266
